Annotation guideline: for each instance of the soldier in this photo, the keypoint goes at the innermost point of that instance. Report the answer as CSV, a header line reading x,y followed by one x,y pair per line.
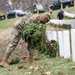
x,y
60,15
16,32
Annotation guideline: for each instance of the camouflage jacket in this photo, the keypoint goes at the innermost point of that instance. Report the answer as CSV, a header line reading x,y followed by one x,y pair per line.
x,y
31,18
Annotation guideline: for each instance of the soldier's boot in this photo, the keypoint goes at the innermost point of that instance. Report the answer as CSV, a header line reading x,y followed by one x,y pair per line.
x,y
4,63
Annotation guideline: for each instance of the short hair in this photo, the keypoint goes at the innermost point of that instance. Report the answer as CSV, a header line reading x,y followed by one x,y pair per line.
x,y
47,15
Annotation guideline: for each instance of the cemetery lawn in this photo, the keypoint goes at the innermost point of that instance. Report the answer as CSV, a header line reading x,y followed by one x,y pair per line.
x,y
42,65
4,24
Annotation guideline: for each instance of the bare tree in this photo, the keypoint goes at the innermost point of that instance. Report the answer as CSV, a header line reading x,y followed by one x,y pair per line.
x,y
30,3
6,5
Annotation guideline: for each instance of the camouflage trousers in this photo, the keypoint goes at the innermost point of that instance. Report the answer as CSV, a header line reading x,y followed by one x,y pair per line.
x,y
15,38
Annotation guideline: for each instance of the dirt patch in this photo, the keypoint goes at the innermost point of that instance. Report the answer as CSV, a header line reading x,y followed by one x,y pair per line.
x,y
5,34
4,39
20,51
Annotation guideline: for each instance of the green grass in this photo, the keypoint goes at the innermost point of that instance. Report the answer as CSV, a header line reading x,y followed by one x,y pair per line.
x,y
4,24
57,66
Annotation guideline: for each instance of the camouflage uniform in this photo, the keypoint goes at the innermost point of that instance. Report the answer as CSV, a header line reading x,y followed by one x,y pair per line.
x,y
16,31
16,35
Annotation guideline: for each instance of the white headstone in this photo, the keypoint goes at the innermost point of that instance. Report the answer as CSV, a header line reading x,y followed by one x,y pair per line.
x,y
49,35
66,42
73,44
60,42
73,24
55,35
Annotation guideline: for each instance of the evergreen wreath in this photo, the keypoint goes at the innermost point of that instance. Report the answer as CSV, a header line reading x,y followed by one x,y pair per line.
x,y
34,35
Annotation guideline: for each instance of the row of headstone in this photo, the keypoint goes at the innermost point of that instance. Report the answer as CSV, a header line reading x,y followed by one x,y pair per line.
x,y
61,22
63,39
73,43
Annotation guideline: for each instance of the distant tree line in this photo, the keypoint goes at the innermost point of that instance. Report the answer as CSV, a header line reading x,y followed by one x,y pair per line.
x,y
6,5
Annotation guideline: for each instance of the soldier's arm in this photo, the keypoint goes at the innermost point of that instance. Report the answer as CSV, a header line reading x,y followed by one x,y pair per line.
x,y
19,24
34,19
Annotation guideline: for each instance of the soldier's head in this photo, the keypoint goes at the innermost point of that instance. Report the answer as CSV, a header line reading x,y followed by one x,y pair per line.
x,y
44,18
